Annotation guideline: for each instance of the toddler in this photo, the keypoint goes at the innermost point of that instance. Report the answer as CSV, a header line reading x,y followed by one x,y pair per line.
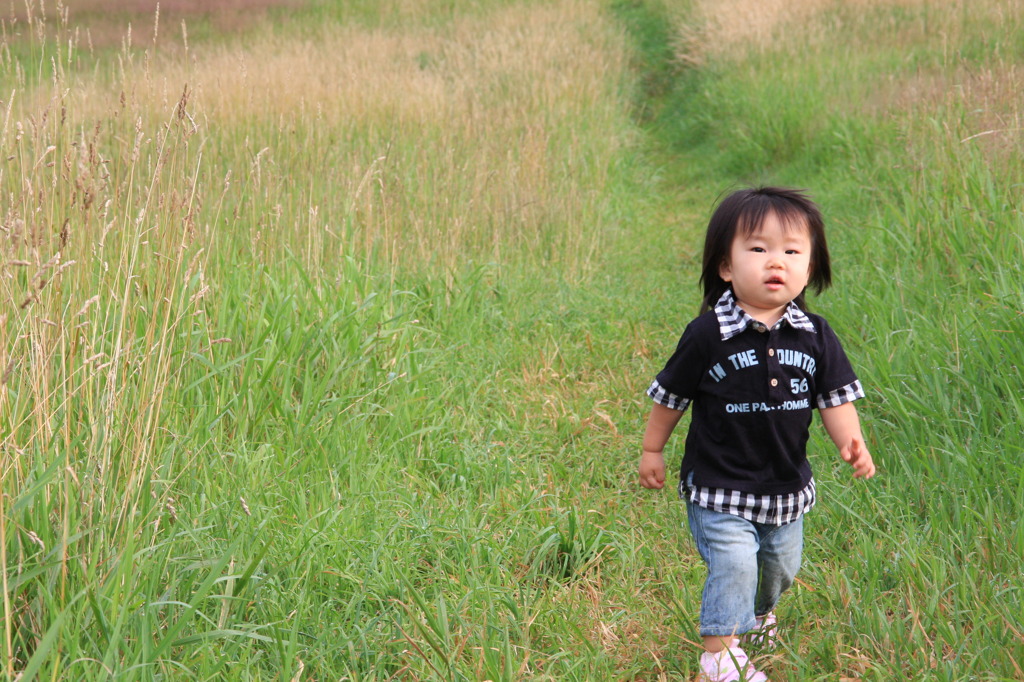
x,y
753,364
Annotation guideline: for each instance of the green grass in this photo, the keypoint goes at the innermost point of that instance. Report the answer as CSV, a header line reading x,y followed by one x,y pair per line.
x,y
367,404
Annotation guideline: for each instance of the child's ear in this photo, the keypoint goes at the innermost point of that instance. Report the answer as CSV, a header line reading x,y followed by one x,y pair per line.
x,y
725,270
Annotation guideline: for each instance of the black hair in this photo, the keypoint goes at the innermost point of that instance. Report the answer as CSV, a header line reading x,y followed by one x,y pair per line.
x,y
742,213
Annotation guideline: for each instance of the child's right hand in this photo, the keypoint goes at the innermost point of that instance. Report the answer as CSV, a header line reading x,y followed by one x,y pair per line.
x,y
652,470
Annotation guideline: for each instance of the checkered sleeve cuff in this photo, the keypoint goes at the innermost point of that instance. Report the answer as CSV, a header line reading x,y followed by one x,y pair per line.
x,y
669,400
841,396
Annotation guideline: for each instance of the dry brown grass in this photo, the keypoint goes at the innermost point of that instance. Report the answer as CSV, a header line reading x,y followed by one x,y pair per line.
x,y
431,144
433,137
978,103
722,28
412,75
964,109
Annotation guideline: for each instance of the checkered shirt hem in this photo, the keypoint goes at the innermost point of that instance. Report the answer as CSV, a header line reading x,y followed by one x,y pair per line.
x,y
775,510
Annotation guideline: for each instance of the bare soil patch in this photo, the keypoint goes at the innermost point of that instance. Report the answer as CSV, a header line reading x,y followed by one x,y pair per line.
x,y
106,22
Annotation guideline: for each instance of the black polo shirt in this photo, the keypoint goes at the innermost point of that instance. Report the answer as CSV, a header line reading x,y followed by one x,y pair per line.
x,y
753,390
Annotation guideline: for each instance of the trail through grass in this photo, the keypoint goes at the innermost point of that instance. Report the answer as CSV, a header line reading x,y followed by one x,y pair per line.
x,y
337,372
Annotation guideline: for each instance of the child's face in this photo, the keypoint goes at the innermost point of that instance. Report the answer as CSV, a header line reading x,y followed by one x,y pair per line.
x,y
769,268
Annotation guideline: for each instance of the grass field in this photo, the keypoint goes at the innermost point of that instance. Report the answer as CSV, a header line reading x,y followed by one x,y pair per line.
x,y
324,331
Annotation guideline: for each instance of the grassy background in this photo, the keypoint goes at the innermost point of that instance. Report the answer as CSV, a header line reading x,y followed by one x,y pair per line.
x,y
324,340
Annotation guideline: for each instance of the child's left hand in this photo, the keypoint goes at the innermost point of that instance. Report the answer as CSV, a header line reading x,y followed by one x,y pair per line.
x,y
843,425
856,455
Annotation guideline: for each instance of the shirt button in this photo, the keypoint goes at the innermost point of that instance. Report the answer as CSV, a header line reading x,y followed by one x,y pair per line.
x,y
771,352
774,382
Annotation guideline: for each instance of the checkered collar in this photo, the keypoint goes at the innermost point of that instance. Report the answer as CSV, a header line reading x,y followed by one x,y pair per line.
x,y
732,319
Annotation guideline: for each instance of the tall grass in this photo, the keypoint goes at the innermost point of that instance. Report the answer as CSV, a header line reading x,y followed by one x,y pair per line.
x,y
226,276
322,343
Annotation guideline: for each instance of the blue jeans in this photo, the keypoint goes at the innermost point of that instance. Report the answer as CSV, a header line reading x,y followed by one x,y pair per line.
x,y
749,566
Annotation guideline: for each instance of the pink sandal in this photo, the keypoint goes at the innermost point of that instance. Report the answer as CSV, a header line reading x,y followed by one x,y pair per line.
x,y
729,665
764,635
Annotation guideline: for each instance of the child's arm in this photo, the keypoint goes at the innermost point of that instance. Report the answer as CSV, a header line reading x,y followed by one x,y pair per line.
x,y
659,427
843,425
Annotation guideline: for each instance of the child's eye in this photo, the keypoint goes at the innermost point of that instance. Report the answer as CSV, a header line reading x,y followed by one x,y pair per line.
x,y
792,252
757,249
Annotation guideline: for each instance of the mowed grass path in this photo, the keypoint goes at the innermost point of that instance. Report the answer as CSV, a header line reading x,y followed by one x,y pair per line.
x,y
324,346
